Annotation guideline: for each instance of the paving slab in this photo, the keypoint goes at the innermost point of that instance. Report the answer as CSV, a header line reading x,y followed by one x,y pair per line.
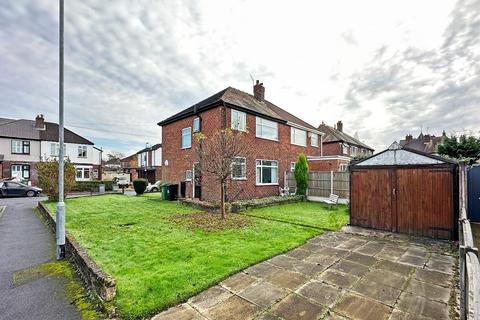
x,y
377,291
263,294
182,312
299,253
361,259
297,307
385,277
233,308
434,277
238,282
440,266
267,316
324,260
321,293
429,291
412,260
261,270
337,278
371,248
400,315
349,267
209,298
360,308
287,279
398,268
413,304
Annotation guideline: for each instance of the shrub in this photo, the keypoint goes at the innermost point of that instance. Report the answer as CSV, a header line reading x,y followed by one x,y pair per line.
x,y
48,178
89,185
243,205
301,175
140,185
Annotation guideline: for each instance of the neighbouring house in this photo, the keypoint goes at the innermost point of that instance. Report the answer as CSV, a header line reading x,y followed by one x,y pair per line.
x,y
130,165
24,143
275,137
113,164
149,161
338,149
427,143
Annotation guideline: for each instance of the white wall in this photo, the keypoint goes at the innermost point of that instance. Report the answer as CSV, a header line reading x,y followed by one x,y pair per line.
x,y
6,150
71,151
157,157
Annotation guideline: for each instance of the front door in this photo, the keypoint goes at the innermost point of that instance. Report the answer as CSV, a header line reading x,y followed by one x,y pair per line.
x,y
197,181
474,194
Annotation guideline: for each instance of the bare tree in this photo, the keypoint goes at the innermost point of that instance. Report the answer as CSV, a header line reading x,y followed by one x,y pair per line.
x,y
217,155
115,155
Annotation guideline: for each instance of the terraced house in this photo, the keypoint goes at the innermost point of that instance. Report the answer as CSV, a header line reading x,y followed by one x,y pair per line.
x,y
275,136
24,143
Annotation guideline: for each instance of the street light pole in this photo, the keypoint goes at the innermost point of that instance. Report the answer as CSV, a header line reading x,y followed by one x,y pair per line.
x,y
60,217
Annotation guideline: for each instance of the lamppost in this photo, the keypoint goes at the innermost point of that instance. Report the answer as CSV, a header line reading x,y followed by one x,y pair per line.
x,y
60,216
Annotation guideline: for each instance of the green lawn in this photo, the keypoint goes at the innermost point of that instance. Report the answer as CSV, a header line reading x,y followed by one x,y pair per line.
x,y
158,263
313,214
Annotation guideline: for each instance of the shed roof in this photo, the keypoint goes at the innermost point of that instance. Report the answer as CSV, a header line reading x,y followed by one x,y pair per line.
x,y
396,155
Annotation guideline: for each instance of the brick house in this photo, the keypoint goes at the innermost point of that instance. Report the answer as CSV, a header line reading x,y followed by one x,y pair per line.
x,y
338,149
149,163
427,143
129,165
275,137
24,143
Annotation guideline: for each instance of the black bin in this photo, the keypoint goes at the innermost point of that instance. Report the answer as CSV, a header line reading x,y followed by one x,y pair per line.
x,y
172,192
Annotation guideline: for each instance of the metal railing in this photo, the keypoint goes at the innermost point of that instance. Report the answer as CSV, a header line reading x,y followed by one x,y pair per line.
x,y
469,264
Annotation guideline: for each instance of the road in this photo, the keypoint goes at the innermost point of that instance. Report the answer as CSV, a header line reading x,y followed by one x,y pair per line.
x,y
25,242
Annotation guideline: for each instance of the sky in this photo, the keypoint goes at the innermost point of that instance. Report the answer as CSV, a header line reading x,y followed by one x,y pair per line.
x,y
385,68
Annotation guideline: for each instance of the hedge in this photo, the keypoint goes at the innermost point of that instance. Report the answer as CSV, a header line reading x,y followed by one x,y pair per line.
x,y
89,185
241,205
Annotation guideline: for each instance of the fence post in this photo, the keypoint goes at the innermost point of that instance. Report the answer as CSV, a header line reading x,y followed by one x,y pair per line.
x,y
331,182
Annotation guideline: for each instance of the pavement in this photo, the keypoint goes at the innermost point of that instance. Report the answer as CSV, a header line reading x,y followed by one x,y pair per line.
x,y
352,274
25,242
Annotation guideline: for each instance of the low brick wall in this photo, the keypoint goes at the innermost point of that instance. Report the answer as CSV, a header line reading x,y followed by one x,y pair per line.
x,y
98,282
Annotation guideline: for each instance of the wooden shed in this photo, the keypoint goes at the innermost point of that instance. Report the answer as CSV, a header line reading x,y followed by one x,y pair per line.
x,y
405,191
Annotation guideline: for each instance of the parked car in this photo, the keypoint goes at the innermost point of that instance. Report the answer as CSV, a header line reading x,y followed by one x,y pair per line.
x,y
154,187
122,182
17,189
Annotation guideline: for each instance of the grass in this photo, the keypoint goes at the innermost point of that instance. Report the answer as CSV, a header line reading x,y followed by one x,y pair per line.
x,y
312,214
159,263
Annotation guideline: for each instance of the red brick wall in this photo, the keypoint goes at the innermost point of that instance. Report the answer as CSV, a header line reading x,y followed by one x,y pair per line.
x,y
6,170
180,160
332,149
326,165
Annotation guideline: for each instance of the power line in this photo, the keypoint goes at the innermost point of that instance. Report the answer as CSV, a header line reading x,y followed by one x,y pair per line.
x,y
114,131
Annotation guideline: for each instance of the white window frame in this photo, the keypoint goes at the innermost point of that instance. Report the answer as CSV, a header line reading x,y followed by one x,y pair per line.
x,y
83,169
345,148
187,132
22,171
292,166
312,140
81,150
238,120
244,164
188,175
196,124
261,122
20,147
343,167
261,169
293,130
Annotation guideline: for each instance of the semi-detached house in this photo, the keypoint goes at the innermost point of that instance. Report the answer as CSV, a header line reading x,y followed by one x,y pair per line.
x,y
275,136
24,143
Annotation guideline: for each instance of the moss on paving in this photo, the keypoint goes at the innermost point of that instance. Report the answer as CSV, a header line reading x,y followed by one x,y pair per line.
x,y
73,288
158,263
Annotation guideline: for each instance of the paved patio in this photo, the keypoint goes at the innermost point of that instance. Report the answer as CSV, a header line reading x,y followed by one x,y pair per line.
x,y
352,274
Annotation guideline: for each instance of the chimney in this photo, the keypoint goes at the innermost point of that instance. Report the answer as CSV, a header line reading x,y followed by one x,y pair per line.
x,y
408,138
340,126
444,134
259,91
39,122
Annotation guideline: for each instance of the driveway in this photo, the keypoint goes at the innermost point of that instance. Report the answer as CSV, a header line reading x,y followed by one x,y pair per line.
x,y
352,274
26,243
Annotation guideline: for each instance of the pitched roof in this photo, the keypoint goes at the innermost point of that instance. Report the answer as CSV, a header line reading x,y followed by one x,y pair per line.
x,y
335,135
424,143
238,99
151,148
25,129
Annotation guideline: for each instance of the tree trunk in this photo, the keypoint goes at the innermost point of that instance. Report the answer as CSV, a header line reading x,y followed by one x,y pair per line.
x,y
222,200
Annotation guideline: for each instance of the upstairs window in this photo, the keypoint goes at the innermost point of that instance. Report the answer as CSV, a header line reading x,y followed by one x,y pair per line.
x,y
186,138
196,125
239,168
20,147
345,149
239,120
82,151
266,129
188,175
314,140
298,137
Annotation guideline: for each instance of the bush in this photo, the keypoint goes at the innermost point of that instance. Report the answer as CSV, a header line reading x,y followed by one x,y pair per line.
x,y
243,205
301,175
48,178
140,185
81,186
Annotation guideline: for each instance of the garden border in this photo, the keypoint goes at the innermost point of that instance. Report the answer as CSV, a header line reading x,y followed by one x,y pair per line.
x,y
102,285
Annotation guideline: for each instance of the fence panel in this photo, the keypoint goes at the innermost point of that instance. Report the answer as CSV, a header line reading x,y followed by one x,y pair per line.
x,y
323,183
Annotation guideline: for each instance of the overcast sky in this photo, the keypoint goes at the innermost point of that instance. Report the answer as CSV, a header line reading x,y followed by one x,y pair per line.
x,y
386,68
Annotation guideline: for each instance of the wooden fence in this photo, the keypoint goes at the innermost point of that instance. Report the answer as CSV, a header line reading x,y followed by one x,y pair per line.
x,y
469,264
323,183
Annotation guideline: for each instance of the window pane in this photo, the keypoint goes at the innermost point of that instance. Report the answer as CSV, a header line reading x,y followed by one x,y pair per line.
x,y
298,136
259,174
314,139
238,120
186,138
266,129
79,173
86,173
196,124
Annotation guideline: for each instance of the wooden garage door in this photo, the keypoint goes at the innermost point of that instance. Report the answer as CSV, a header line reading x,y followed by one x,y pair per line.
x,y
425,202
371,201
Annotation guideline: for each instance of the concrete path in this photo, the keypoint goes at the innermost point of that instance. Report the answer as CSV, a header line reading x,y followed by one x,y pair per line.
x,y
24,243
353,274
